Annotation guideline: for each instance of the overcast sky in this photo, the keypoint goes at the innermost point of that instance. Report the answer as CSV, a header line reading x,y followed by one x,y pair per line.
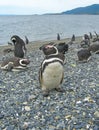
x,y
41,6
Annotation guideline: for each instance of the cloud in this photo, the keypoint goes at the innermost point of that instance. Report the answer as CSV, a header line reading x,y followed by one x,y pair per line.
x,y
41,6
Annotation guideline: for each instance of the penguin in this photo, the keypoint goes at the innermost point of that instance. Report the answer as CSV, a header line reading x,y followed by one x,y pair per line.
x,y
84,55
96,34
85,43
90,34
58,36
19,46
14,64
26,40
94,48
86,37
96,38
62,47
51,73
73,38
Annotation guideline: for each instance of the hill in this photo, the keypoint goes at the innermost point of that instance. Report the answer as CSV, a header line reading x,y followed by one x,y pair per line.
x,y
92,9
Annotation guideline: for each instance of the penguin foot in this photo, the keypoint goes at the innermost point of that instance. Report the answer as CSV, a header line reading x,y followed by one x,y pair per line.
x,y
59,89
45,93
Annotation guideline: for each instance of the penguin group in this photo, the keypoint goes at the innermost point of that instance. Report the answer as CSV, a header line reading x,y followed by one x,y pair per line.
x,y
17,62
90,45
51,71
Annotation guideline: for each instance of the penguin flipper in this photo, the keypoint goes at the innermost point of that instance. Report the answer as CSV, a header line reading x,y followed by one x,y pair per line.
x,y
62,78
40,76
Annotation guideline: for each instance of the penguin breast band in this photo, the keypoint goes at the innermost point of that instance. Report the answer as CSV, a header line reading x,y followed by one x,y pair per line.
x,y
46,62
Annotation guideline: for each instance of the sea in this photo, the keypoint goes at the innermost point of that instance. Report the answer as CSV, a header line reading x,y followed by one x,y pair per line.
x,y
46,27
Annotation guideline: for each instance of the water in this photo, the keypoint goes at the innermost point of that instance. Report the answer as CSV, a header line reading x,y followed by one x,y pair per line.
x,y
46,27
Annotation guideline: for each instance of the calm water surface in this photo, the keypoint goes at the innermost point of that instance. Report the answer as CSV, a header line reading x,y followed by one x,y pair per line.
x,y
46,27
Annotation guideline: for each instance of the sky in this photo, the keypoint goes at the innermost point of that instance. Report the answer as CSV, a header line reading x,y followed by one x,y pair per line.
x,y
29,7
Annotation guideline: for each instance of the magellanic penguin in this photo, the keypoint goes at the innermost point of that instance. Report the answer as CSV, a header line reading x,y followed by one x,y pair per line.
x,y
72,41
26,40
62,47
51,72
85,43
84,55
58,36
19,46
14,64
94,48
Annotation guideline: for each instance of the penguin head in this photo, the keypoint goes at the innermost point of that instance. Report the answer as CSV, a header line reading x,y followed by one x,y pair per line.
x,y
24,62
62,47
16,39
49,49
20,65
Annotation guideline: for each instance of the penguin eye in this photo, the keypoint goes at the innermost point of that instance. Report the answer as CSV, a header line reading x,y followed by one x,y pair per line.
x,y
14,41
6,67
23,62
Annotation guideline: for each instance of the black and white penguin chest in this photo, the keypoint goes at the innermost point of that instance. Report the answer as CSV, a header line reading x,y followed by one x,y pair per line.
x,y
52,72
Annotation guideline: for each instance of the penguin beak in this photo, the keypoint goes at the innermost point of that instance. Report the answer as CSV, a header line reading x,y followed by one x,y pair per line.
x,y
41,48
13,40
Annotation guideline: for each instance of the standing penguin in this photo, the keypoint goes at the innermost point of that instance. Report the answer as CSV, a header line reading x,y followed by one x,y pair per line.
x,y
19,46
51,72
62,47
26,40
58,36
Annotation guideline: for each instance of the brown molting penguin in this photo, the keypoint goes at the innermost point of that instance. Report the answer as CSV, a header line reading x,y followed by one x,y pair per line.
x,y
84,55
96,38
19,46
85,43
51,72
62,47
94,48
14,64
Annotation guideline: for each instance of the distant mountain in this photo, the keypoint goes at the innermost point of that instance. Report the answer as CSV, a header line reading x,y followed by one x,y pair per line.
x,y
92,9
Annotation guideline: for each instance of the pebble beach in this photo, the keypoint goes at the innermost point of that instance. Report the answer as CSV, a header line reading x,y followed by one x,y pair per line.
x,y
23,107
